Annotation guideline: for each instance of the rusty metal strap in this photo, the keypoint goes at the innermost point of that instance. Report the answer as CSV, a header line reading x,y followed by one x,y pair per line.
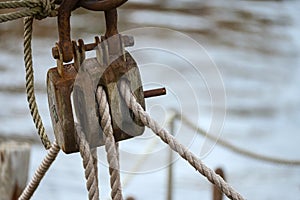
x,y
64,14
103,5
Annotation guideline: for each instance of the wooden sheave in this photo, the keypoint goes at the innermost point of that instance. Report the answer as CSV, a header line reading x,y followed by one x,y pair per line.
x,y
14,163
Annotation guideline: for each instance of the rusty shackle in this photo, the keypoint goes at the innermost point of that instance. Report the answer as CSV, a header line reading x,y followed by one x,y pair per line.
x,y
63,20
103,5
64,29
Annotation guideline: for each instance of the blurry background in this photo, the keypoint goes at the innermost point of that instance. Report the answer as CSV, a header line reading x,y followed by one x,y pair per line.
x,y
255,45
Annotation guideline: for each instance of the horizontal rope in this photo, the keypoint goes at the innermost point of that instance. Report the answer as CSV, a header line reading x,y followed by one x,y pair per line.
x,y
18,14
175,145
37,8
19,4
234,148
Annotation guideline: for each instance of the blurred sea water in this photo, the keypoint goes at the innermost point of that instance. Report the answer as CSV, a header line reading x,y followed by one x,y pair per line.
x,y
255,46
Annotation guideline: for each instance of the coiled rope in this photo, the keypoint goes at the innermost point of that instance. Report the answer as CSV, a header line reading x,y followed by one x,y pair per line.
x,y
174,144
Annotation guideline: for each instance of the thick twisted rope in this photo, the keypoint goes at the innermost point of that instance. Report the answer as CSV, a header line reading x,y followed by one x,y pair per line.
x,y
40,172
110,146
30,82
89,164
175,145
95,162
37,8
18,4
234,148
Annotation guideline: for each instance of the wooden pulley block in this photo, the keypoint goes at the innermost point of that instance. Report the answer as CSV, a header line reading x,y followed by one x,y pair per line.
x,y
106,72
80,81
59,89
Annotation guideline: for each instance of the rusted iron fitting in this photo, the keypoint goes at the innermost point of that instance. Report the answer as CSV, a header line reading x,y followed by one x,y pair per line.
x,y
64,29
127,40
63,20
155,92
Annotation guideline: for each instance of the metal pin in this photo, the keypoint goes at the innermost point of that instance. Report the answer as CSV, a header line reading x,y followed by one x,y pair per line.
x,y
155,92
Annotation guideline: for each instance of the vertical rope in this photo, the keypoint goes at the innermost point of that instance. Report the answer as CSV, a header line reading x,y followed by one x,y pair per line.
x,y
110,146
171,165
28,21
40,172
88,164
95,162
175,145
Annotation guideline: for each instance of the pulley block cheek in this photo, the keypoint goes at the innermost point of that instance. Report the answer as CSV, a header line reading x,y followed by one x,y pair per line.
x,y
93,74
59,91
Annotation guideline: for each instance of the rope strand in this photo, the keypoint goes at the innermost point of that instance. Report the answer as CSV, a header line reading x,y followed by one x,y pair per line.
x,y
89,164
38,9
30,83
40,172
236,149
110,146
175,145
18,4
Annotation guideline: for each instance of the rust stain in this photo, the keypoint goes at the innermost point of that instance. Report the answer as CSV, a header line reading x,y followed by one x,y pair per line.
x,y
2,157
16,192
